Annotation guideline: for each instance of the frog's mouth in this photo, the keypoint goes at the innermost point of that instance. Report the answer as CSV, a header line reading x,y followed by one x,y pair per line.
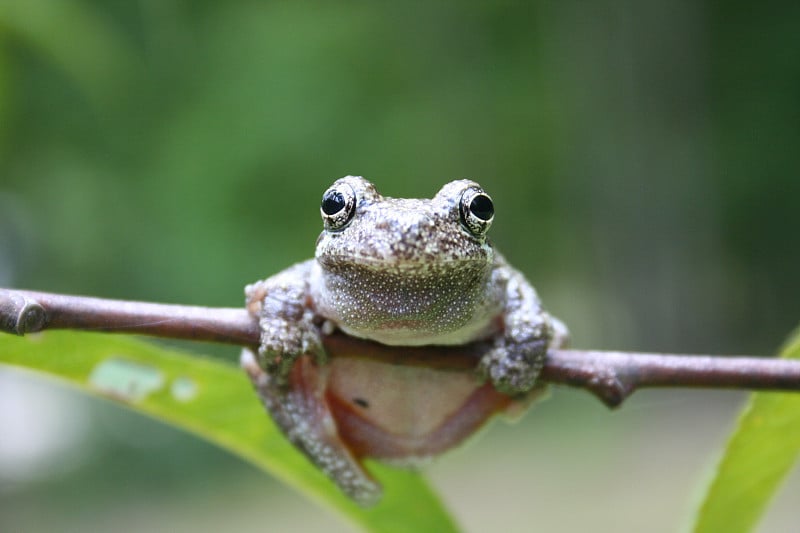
x,y
369,265
408,251
406,263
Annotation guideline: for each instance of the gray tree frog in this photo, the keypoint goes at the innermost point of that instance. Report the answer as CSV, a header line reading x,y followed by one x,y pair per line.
x,y
401,274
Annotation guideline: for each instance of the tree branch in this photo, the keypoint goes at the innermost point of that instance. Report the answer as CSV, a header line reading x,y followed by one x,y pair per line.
x,y
611,376
24,312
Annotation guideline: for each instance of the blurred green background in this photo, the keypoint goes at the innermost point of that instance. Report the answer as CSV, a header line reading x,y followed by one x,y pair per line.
x,y
644,162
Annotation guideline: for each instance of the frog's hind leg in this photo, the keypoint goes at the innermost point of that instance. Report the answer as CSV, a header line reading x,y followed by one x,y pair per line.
x,y
299,409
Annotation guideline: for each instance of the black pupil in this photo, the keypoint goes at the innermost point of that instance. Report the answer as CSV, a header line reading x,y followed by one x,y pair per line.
x,y
332,202
481,206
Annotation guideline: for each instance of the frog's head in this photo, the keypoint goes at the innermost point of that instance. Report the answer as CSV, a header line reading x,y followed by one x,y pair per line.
x,y
409,265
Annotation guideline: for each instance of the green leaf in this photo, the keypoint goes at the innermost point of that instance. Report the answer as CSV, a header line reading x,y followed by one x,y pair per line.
x,y
214,400
760,453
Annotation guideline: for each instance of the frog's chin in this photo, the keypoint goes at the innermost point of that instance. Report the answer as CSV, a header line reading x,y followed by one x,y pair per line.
x,y
413,333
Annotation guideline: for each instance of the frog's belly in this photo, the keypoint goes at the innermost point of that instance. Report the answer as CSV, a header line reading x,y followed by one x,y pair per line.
x,y
392,411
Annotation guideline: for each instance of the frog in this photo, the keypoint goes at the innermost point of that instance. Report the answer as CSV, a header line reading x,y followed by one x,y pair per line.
x,y
411,278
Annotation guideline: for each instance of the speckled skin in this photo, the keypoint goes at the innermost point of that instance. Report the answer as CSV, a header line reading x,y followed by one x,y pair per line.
x,y
403,272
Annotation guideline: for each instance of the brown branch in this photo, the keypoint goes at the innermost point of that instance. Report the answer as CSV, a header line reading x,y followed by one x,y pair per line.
x,y
28,311
611,376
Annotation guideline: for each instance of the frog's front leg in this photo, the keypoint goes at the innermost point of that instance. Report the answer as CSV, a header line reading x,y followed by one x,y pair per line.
x,y
281,304
517,356
290,378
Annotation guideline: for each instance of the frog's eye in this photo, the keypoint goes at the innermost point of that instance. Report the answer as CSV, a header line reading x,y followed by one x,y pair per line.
x,y
338,206
477,211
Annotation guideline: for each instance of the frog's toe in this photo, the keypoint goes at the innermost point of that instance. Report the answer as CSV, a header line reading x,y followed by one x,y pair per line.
x,y
511,377
513,371
276,363
366,492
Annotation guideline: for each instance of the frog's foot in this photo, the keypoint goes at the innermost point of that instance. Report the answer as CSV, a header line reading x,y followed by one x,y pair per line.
x,y
286,321
299,408
514,367
282,343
